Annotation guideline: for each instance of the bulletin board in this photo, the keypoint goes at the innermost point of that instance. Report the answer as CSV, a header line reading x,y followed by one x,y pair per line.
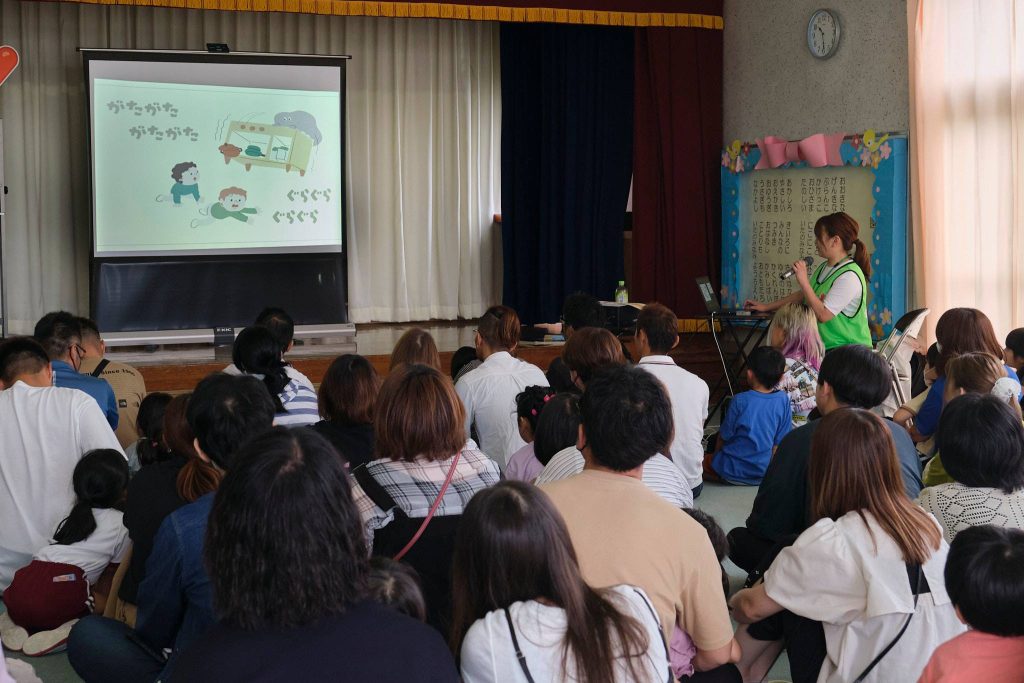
x,y
768,218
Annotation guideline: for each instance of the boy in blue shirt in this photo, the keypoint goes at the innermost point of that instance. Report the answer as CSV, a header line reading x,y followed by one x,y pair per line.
x,y
754,423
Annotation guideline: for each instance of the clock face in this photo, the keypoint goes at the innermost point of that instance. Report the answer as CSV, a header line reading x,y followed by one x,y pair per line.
x,y
823,34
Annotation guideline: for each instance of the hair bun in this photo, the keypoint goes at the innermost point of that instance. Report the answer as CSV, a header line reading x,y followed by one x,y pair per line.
x,y
1006,389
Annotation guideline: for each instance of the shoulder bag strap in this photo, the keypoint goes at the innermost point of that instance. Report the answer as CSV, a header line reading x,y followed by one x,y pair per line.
x,y
916,590
433,508
100,367
515,644
661,632
372,488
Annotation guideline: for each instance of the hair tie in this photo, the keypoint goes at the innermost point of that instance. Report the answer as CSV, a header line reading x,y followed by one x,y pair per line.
x,y
1006,389
533,411
547,397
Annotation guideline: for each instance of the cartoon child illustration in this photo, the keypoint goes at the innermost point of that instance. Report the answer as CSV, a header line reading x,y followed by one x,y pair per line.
x,y
186,182
231,205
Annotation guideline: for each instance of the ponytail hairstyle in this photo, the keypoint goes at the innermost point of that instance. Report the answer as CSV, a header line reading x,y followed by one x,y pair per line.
x,y
257,352
499,328
843,226
150,425
558,427
100,479
529,404
197,477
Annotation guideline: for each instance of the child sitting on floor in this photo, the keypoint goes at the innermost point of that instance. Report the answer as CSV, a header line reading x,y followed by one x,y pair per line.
x,y
396,585
47,597
754,423
1013,353
982,574
523,464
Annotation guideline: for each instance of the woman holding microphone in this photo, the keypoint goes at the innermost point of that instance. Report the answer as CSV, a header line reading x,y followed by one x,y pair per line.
x,y
837,291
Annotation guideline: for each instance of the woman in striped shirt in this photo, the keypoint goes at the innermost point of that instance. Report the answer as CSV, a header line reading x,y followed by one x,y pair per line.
x,y
257,353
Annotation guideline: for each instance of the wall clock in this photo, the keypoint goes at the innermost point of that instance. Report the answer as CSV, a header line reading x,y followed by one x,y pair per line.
x,y
823,34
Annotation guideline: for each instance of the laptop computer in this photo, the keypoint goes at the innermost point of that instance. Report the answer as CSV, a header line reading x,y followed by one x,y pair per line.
x,y
714,306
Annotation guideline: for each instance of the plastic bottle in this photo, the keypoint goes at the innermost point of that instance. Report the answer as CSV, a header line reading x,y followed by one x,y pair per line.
x,y
621,293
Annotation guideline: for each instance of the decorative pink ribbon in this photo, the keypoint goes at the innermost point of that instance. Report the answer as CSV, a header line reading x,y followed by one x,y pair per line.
x,y
817,150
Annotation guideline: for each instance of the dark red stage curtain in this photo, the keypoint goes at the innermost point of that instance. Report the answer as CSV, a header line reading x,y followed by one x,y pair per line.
x,y
677,146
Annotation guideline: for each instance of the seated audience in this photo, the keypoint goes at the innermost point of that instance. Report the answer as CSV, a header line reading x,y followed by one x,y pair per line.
x,y
489,392
1013,352
153,494
423,465
256,353
656,335
175,606
982,575
61,337
754,424
288,568
521,603
396,585
904,416
579,311
463,360
346,400
794,333
588,353
282,327
149,428
971,373
198,476
870,568
523,465
958,331
44,432
851,376
982,443
48,596
625,534
415,346
128,384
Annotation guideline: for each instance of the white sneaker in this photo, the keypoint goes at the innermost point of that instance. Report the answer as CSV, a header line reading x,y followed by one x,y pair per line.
x,y
11,635
45,642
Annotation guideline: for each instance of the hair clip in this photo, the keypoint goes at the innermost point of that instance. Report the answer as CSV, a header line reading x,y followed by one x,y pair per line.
x,y
1006,388
547,397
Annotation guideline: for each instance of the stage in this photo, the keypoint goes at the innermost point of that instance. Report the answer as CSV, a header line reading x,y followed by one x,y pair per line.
x,y
177,369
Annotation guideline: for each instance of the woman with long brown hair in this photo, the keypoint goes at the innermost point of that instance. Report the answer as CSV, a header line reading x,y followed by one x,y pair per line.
x,y
958,331
870,569
521,605
837,292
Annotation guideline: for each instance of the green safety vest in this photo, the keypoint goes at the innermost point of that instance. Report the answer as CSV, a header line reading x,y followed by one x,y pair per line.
x,y
843,329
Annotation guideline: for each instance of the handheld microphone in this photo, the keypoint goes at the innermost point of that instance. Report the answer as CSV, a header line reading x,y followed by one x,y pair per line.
x,y
809,260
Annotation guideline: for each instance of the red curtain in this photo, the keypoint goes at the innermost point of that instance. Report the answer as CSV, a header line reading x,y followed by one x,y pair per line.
x,y
677,152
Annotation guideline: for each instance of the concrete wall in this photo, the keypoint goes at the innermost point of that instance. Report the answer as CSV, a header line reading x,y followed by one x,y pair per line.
x,y
773,86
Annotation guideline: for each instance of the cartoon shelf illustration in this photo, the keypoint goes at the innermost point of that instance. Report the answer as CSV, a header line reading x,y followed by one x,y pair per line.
x,y
265,144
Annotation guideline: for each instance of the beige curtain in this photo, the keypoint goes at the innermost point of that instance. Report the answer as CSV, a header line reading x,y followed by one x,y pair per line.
x,y
422,154
967,164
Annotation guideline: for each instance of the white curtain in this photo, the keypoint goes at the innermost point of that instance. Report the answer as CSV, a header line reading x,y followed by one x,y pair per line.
x,y
422,156
967,175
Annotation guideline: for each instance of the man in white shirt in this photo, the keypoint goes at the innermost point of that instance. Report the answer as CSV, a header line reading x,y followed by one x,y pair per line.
x,y
489,392
656,335
44,432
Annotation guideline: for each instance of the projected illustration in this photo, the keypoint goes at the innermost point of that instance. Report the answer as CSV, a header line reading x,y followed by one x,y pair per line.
x,y
231,205
252,168
285,144
186,184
